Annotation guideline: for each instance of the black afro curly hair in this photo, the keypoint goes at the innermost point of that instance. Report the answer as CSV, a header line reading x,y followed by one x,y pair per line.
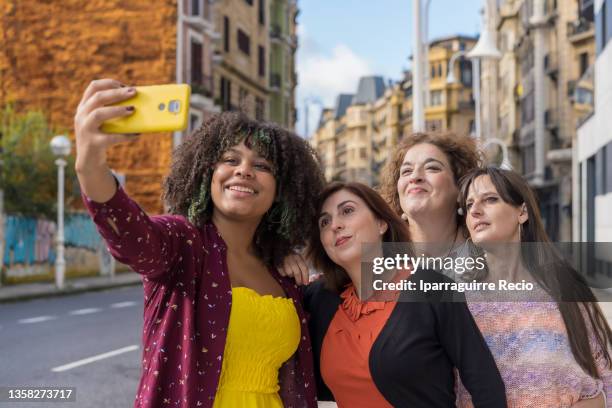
x,y
299,179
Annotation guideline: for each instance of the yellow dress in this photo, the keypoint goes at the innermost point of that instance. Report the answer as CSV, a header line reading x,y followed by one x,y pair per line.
x,y
263,333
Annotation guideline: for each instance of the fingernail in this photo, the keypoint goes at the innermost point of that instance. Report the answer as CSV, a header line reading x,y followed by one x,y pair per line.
x,y
129,108
121,84
131,90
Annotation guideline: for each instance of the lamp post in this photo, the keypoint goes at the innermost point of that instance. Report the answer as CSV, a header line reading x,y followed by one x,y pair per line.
x,y
485,48
418,109
505,163
60,145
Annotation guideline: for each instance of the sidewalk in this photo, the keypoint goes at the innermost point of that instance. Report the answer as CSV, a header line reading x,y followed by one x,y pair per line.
x,y
14,293
26,291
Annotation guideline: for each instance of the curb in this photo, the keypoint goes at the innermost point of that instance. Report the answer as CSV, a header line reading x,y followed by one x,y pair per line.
x,y
70,289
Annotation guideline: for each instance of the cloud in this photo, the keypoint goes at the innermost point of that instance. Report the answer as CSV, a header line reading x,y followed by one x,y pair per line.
x,y
324,75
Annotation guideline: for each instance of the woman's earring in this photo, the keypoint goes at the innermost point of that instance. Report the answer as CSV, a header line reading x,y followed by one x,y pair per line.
x,y
404,216
460,211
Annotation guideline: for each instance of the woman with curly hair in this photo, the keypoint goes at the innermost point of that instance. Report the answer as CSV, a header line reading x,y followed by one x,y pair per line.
x,y
221,327
421,183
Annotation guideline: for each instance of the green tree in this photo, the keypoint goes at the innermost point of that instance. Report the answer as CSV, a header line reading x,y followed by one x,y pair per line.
x,y
29,175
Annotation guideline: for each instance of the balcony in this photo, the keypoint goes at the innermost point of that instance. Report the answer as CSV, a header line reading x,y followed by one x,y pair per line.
x,y
340,149
580,30
202,85
276,32
275,81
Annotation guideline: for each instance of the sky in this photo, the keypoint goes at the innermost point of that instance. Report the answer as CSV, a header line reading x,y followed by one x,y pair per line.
x,y
342,40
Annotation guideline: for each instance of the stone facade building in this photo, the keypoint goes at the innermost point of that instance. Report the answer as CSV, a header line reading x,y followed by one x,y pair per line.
x,y
51,50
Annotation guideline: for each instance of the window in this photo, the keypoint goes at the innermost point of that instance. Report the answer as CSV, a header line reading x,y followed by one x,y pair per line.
x,y
196,62
249,2
584,96
226,34
466,72
433,125
226,94
608,165
262,12
439,70
528,159
601,29
195,7
261,61
260,109
243,96
436,98
584,62
244,42
433,71
363,153
527,108
195,120
600,171
608,9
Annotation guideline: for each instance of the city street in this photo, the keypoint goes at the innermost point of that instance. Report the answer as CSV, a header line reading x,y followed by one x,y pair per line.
x,y
89,341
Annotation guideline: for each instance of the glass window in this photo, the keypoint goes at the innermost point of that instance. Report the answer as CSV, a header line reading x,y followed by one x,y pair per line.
x,y
226,34
244,42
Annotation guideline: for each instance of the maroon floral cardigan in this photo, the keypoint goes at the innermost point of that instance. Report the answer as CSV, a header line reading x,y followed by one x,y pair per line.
x,y
187,306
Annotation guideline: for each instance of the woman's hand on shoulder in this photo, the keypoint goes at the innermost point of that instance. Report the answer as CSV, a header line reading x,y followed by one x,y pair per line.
x,y
294,266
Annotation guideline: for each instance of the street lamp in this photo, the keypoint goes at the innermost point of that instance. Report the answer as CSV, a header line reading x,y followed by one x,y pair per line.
x,y
60,145
505,163
485,48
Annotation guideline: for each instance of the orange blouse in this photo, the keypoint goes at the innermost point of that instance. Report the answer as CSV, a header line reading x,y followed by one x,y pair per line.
x,y
346,350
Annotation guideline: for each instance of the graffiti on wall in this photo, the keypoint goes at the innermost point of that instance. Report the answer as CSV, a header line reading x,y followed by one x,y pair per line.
x,y
29,246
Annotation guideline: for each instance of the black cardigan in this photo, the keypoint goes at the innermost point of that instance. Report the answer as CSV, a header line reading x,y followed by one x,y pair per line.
x,y
412,359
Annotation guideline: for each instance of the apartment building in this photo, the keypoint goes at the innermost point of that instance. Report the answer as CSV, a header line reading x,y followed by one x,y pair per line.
x,y
592,193
357,135
546,47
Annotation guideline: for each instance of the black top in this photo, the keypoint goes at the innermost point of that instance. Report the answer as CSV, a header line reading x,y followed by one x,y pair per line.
x,y
412,359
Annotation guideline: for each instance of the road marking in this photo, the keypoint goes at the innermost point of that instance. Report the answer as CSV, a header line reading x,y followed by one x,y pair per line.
x,y
85,311
93,359
36,319
120,305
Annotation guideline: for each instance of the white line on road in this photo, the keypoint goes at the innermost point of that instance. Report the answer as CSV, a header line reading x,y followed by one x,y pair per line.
x,y
119,305
93,359
36,319
85,311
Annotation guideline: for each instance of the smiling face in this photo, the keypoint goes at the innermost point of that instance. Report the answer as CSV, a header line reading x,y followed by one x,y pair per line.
x,y
345,223
426,183
489,218
243,186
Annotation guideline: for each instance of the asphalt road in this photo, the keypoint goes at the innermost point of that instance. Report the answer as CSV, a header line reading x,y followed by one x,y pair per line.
x,y
89,341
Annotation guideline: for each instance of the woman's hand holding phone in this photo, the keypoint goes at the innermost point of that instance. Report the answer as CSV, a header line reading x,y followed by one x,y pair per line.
x,y
92,170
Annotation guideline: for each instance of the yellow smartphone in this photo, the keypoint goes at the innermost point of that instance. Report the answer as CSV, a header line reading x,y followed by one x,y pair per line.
x,y
158,108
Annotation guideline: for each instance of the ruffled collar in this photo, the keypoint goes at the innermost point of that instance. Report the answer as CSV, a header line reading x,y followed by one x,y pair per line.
x,y
355,307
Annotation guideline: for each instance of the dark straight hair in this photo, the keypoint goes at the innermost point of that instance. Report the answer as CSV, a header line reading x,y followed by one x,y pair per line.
x,y
335,276
556,276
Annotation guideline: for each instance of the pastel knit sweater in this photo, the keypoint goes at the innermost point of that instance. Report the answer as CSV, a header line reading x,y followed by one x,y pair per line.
x,y
530,345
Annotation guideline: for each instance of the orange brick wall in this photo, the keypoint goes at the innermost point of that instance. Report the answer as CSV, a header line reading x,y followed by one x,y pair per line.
x,y
50,50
